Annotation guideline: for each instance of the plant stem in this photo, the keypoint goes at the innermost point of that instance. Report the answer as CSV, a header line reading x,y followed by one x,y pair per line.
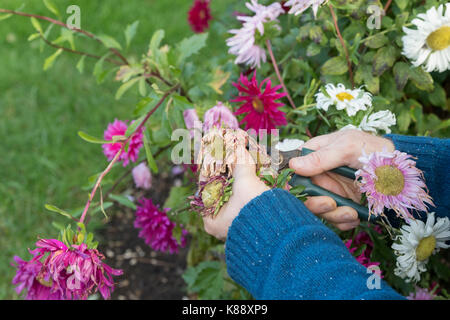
x,y
349,63
116,157
386,7
277,71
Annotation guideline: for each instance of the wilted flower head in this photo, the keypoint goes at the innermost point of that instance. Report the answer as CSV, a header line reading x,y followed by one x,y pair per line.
x,y
243,43
219,116
380,120
199,16
259,104
415,244
212,194
142,176
156,227
70,272
119,128
392,181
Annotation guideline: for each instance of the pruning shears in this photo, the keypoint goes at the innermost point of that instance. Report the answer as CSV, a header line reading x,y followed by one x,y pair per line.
x,y
314,190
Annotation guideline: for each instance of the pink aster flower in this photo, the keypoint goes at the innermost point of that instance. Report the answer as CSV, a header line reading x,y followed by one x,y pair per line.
x,y
142,176
73,272
259,104
156,227
391,180
219,116
421,294
199,16
119,128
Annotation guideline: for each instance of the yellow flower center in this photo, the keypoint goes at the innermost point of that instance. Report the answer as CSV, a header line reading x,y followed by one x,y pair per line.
x,y
211,193
344,96
390,180
425,248
258,105
439,39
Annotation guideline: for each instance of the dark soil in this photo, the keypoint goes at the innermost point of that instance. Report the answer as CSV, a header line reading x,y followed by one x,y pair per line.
x,y
147,274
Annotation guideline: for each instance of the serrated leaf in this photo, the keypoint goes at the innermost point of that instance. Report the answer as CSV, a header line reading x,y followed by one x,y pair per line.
x,y
130,32
123,201
334,66
109,42
37,25
92,139
190,46
125,87
51,6
51,60
53,208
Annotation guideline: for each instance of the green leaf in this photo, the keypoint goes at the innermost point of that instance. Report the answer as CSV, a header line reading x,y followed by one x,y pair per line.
x,y
109,42
376,41
156,40
383,60
404,120
130,32
125,87
421,79
190,46
206,279
335,66
5,16
92,139
80,64
123,201
51,6
150,160
438,97
363,75
51,60
37,25
401,74
53,208
177,197
313,49
401,4
34,36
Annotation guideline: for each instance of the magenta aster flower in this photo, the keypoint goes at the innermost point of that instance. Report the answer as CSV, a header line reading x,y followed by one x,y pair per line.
x,y
259,104
156,227
73,272
391,180
199,16
219,116
28,279
119,128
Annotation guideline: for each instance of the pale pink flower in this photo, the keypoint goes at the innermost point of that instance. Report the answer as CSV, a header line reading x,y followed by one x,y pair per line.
x,y
392,181
142,176
219,116
191,120
421,294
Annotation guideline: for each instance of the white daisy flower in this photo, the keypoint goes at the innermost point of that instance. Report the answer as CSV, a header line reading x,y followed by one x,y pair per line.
x,y
289,145
429,44
350,100
417,242
380,120
298,6
242,44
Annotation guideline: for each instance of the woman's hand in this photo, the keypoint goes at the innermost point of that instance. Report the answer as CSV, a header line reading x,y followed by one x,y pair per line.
x,y
341,148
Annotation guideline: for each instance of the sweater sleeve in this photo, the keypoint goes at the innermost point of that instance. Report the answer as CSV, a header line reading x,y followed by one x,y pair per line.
x,y
433,157
277,249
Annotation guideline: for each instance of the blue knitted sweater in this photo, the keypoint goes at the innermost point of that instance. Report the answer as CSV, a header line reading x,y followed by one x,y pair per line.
x,y
277,249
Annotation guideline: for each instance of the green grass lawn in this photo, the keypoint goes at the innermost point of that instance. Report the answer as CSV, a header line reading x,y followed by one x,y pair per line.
x,y
42,158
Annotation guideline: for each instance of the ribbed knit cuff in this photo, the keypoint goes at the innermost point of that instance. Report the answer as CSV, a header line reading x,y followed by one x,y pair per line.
x,y
259,226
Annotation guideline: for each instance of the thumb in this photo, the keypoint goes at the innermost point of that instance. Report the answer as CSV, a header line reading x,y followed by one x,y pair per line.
x,y
317,162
